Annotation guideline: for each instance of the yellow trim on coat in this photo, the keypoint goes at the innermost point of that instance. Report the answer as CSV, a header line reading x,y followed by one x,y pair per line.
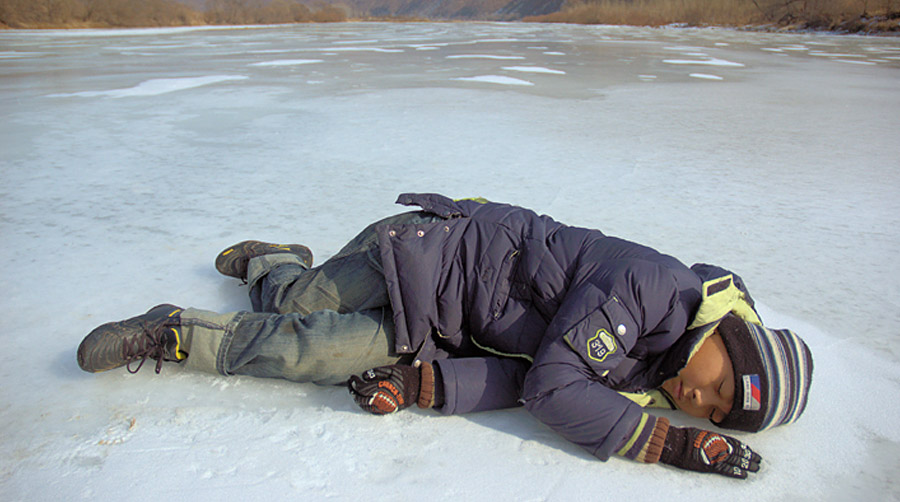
x,y
634,437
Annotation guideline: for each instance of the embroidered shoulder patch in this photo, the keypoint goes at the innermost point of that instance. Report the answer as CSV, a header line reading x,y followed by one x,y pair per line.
x,y
601,345
751,392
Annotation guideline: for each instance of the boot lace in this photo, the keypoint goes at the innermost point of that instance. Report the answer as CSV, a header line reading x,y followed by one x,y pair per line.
x,y
149,344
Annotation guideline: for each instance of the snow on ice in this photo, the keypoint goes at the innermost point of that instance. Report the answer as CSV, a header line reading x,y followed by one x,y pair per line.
x,y
154,87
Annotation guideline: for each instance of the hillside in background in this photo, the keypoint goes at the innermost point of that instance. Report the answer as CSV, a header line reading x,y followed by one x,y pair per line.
x,y
141,13
452,9
842,16
155,13
438,10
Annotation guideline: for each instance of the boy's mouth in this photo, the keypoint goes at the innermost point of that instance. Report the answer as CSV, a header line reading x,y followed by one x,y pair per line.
x,y
678,391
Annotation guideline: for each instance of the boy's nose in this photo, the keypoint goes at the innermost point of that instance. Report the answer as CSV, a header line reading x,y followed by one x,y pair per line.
x,y
697,397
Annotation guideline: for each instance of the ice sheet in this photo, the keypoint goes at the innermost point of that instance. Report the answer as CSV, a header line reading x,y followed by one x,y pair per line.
x,y
534,69
154,87
287,62
484,56
705,62
706,76
495,79
118,197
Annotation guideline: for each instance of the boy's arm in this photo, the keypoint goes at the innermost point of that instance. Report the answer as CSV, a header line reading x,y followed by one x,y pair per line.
x,y
598,324
388,389
480,383
451,386
566,396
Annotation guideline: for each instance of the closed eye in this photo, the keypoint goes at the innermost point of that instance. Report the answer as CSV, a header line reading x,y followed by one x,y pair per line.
x,y
712,412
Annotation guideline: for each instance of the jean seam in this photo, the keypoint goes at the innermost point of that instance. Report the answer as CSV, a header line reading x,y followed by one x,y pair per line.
x,y
225,345
201,323
272,261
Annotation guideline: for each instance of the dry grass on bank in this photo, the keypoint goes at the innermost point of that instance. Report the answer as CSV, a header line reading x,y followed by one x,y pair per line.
x,y
839,15
156,13
654,12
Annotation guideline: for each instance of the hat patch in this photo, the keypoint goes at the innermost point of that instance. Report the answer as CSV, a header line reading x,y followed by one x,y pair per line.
x,y
751,393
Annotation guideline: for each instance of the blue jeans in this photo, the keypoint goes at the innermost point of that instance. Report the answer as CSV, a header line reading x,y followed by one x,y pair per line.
x,y
319,325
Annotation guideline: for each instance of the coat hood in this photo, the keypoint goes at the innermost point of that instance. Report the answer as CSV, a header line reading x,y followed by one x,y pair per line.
x,y
722,292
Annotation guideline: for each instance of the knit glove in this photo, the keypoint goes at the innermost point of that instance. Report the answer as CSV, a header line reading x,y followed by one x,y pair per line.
x,y
706,451
387,389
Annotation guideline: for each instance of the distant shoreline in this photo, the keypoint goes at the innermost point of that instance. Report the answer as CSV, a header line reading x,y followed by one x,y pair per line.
x,y
763,28
873,26
867,17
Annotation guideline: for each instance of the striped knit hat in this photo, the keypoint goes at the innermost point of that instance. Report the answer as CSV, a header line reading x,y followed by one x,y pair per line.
x,y
772,371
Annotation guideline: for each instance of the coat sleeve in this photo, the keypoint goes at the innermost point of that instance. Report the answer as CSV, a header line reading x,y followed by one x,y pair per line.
x,y
598,323
474,384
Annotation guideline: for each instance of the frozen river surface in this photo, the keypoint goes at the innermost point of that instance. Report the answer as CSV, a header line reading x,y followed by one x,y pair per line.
x,y
128,159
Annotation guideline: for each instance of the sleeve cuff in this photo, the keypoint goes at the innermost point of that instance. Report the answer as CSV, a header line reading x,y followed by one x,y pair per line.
x,y
646,443
426,386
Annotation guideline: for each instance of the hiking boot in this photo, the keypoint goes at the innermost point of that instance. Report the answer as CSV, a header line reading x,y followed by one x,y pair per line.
x,y
155,334
233,261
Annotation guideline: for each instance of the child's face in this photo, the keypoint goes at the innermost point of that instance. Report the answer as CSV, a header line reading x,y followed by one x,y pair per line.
x,y
705,387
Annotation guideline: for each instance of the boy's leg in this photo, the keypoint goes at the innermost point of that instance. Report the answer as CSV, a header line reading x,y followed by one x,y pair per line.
x,y
323,347
350,281
280,284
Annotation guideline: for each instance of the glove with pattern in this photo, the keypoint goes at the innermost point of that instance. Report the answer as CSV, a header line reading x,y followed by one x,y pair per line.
x,y
387,389
706,451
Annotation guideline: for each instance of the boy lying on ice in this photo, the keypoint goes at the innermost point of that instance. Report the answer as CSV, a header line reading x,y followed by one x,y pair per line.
x,y
470,305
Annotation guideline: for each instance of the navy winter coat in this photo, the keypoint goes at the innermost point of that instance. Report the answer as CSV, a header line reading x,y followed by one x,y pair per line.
x,y
517,308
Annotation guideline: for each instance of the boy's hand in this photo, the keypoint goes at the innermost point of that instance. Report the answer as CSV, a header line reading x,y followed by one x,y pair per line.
x,y
706,451
385,389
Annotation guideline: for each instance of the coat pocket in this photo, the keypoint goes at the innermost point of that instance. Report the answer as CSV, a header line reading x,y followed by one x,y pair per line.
x,y
621,323
604,337
504,283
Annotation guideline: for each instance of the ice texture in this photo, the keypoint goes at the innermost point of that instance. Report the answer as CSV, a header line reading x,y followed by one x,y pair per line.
x,y
706,76
496,79
286,62
131,157
154,87
534,69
